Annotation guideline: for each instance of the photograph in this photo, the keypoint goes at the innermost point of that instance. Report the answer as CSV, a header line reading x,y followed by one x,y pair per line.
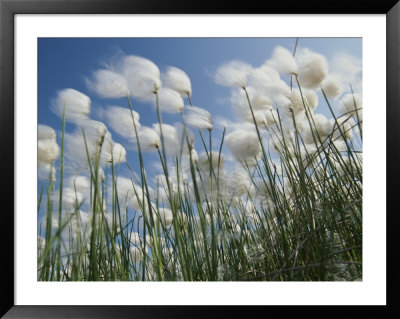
x,y
199,159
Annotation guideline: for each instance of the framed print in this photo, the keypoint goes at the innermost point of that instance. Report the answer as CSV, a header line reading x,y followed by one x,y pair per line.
x,y
195,158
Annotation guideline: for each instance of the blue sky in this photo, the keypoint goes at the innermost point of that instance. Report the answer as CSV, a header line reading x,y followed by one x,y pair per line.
x,y
68,62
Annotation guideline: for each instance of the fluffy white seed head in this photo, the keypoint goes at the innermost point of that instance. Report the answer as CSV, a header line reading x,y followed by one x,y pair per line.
x,y
80,183
142,76
346,126
95,131
332,87
244,145
46,132
283,61
204,161
77,105
46,172
238,183
170,101
264,118
233,74
108,84
149,139
313,68
177,80
322,125
118,153
48,151
198,118
352,103
171,140
120,120
166,216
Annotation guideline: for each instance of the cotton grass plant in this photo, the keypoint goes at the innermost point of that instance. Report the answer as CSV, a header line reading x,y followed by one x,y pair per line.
x,y
290,210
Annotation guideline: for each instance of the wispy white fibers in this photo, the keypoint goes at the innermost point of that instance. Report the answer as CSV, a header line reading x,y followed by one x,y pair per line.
x,y
108,84
166,216
95,134
346,125
244,145
177,80
309,97
46,132
120,120
170,101
46,172
129,194
115,153
48,150
264,118
186,134
352,103
94,130
313,68
142,76
233,74
77,105
322,126
80,183
348,69
204,162
283,61
267,80
198,118
332,86
238,183
171,140
149,139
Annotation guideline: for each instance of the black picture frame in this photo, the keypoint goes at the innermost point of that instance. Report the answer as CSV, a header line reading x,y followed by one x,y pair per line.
x,y
8,8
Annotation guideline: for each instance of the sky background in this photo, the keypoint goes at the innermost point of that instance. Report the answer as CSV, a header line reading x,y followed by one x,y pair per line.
x,y
69,62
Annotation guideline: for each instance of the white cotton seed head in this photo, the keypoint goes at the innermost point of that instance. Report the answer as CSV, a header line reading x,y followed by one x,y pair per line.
x,y
80,183
47,172
244,145
204,161
166,216
194,155
322,125
142,76
332,86
283,61
118,153
177,80
48,151
171,141
71,198
312,99
346,125
198,118
313,68
46,132
108,84
149,139
238,183
233,74
352,103
170,101
120,120
95,131
264,118
77,105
